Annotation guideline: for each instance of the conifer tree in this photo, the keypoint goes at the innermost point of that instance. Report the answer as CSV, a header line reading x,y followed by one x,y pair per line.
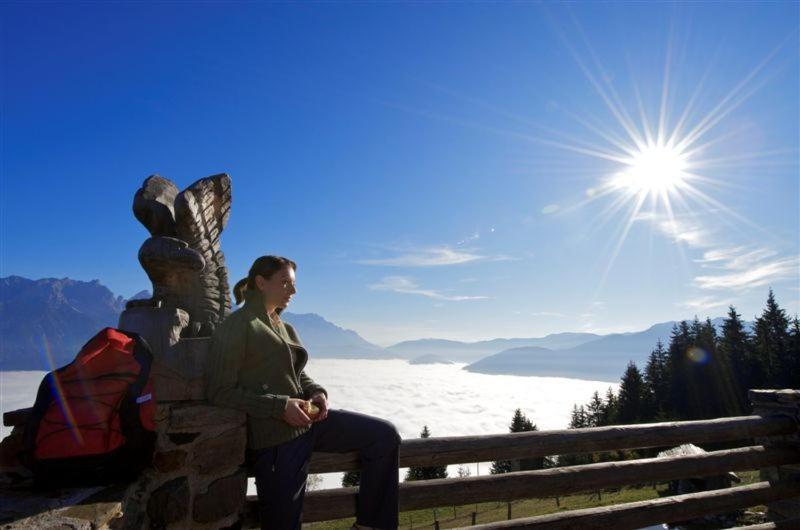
x,y
631,390
426,473
351,478
595,410
656,384
734,345
709,375
610,408
679,344
578,418
519,423
771,346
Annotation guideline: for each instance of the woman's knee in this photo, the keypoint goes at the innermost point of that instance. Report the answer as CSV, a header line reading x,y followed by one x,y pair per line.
x,y
390,433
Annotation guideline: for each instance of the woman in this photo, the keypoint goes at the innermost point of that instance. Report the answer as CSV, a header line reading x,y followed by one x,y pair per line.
x,y
256,364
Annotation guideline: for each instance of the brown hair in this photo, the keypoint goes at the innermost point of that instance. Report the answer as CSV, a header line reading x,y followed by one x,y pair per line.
x,y
265,266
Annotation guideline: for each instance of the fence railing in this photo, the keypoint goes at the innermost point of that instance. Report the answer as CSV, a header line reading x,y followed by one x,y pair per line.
x,y
321,505
338,503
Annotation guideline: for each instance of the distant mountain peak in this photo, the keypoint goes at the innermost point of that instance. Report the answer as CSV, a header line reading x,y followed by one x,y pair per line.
x,y
141,295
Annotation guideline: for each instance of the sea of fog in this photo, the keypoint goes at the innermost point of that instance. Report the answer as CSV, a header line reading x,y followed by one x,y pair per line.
x,y
449,400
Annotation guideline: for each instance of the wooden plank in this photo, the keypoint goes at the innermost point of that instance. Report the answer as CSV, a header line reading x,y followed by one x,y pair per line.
x,y
634,515
439,451
337,503
444,450
17,417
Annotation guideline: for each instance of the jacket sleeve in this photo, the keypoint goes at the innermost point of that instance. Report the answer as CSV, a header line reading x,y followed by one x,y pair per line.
x,y
222,374
308,385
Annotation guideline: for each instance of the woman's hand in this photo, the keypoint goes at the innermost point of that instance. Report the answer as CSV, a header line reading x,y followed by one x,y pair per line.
x,y
320,400
294,413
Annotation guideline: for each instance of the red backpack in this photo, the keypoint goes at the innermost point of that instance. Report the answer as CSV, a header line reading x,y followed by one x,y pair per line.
x,y
92,422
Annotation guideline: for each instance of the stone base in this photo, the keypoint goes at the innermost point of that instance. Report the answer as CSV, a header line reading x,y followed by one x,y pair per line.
x,y
198,479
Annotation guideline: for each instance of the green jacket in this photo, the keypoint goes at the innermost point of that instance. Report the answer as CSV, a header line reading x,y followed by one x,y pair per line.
x,y
256,367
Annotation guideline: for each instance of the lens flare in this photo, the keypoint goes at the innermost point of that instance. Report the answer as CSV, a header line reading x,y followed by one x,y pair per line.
x,y
58,393
697,355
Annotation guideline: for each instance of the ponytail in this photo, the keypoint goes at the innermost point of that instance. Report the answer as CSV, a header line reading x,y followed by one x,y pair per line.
x,y
238,290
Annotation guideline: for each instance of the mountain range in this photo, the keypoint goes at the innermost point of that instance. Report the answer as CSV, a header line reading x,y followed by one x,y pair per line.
x,y
472,351
604,358
59,315
50,319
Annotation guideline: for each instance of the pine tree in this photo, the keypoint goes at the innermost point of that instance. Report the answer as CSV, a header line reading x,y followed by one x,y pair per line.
x,y
680,342
631,390
595,411
579,417
501,466
709,375
610,408
426,473
734,345
519,423
771,343
656,384
351,478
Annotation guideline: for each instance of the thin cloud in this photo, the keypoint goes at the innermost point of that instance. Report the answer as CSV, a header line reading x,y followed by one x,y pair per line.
x,y
706,302
753,274
473,237
548,314
404,284
740,268
550,208
726,267
679,229
432,257
737,259
719,255
686,232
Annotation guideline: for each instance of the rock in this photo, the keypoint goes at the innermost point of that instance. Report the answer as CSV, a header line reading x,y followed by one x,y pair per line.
x,y
168,461
224,497
160,327
183,438
223,451
169,503
199,417
180,371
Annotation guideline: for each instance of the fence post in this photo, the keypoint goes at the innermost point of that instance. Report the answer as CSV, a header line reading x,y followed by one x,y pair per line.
x,y
768,402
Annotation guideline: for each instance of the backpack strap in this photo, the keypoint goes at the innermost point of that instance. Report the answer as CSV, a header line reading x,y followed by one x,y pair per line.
x,y
129,412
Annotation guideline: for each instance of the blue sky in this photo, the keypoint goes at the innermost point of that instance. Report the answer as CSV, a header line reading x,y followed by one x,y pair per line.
x,y
448,170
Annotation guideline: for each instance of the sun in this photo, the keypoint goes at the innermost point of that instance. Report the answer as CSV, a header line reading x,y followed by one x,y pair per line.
x,y
654,169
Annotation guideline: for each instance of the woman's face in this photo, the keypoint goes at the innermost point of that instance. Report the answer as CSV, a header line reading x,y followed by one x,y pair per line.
x,y
279,289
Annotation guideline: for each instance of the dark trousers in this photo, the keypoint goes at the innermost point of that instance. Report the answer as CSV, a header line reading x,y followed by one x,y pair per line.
x,y
281,470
